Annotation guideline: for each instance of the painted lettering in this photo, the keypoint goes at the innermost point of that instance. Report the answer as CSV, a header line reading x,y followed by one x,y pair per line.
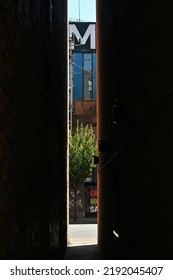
x,y
93,193
93,209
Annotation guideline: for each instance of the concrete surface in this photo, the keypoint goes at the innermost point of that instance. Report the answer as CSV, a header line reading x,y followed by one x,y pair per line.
x,y
82,243
82,234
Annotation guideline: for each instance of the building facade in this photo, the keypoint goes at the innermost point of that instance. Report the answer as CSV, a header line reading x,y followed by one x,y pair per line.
x,y
82,47
83,72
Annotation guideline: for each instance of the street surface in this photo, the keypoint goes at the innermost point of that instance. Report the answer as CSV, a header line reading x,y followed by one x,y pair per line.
x,y
82,234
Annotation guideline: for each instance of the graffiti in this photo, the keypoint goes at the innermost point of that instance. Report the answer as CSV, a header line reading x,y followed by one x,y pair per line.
x,y
72,201
78,203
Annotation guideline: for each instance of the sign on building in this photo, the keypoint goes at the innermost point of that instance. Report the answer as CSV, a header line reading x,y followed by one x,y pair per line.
x,y
82,35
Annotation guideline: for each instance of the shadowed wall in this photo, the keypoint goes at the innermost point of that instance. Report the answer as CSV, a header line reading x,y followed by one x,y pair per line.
x,y
33,128
135,124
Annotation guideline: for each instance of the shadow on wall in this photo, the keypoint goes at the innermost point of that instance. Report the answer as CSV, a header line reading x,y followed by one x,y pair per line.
x,y
33,132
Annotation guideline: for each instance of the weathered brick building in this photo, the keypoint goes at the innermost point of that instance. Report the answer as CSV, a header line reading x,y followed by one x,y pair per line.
x,y
83,72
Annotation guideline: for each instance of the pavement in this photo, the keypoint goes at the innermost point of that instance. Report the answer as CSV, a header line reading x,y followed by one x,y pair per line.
x,y
82,242
82,234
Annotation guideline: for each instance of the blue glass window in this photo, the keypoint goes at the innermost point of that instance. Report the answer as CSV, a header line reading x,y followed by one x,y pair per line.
x,y
77,76
84,76
87,77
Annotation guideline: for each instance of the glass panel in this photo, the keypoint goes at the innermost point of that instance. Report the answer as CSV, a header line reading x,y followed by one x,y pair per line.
x,y
88,84
88,61
77,76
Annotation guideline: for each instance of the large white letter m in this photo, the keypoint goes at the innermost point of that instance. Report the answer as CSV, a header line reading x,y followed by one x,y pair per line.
x,y
90,32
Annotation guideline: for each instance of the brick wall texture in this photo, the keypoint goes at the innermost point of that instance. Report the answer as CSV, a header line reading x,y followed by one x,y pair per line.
x,y
33,129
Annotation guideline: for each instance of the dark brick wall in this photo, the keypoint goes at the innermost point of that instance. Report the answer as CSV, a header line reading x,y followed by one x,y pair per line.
x,y
135,62
33,137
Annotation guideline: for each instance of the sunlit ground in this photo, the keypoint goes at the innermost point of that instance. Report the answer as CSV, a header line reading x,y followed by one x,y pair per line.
x,y
82,234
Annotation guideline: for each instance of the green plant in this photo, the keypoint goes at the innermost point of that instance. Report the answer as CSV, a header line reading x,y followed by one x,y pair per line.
x,y
81,149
